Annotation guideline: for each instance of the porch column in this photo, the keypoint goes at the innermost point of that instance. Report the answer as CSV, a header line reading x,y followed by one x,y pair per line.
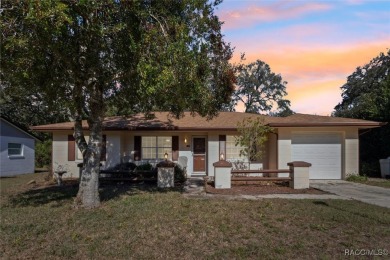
x,y
222,174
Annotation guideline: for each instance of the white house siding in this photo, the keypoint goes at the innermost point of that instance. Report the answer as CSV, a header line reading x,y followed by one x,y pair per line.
x,y
113,149
213,152
15,165
284,148
351,152
60,155
185,149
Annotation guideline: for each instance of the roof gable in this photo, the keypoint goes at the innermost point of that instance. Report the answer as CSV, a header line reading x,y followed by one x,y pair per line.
x,y
18,127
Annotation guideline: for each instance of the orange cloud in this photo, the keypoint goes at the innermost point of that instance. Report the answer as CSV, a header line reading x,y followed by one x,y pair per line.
x,y
316,74
316,96
295,61
280,10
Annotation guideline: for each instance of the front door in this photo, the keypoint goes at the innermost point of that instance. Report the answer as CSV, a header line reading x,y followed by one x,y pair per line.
x,y
199,150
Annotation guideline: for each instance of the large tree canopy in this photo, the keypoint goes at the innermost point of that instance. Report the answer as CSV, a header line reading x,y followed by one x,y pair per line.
x,y
260,90
126,56
366,95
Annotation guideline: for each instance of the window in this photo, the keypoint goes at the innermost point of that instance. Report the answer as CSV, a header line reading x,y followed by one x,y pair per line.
x,y
15,149
154,147
233,151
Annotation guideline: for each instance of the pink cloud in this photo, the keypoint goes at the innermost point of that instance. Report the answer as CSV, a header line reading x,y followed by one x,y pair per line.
x,y
280,10
305,31
293,59
355,2
369,16
316,73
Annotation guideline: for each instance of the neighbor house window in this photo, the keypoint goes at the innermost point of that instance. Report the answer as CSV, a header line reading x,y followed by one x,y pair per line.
x,y
15,149
233,151
154,147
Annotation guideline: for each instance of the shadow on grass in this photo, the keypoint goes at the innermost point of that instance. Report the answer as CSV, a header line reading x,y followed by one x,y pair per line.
x,y
321,203
112,190
59,195
44,195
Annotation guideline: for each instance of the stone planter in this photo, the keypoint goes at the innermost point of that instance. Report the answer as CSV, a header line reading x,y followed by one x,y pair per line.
x,y
166,175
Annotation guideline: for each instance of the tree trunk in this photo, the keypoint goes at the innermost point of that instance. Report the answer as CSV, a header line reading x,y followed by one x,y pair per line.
x,y
88,194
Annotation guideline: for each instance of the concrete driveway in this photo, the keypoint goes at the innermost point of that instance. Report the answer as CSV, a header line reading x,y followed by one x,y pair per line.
x,y
369,194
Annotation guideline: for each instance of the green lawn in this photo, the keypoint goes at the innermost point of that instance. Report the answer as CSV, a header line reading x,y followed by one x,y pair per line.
x,y
384,183
380,183
143,223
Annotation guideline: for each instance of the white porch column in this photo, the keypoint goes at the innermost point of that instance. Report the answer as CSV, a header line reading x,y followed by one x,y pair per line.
x,y
222,174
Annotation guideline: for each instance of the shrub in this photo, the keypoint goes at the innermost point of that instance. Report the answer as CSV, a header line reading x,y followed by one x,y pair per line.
x,y
180,175
146,170
43,154
145,167
357,178
371,169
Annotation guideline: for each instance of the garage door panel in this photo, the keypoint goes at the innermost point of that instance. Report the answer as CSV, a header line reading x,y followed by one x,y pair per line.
x,y
322,150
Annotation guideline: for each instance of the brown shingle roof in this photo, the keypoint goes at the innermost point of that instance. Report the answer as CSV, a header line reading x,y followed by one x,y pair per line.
x,y
304,120
224,121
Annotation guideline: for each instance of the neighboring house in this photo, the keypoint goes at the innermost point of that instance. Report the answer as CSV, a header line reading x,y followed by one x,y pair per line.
x,y
330,144
17,149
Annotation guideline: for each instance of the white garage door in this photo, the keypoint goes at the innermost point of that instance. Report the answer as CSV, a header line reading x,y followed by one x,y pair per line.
x,y
322,150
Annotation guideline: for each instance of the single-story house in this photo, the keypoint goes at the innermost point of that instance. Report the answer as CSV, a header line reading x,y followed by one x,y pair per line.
x,y
330,144
17,148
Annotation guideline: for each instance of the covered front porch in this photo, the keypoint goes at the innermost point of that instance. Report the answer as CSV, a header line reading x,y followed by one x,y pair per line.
x,y
196,151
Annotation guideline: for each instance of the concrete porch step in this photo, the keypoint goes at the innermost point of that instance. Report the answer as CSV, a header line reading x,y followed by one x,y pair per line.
x,y
194,185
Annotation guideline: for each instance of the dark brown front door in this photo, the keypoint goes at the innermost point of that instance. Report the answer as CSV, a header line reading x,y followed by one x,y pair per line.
x,y
199,149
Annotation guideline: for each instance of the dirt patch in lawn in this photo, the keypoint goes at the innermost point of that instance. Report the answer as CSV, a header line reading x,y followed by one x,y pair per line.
x,y
260,189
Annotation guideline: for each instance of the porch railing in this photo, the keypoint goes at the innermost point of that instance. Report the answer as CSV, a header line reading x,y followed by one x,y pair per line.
x,y
260,175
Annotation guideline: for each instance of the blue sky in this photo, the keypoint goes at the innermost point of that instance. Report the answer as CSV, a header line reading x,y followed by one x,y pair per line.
x,y
314,45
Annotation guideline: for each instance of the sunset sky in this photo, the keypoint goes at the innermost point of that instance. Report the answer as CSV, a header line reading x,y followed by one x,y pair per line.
x,y
314,45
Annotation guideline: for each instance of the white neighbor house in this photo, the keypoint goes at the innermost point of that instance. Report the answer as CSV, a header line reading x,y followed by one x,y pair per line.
x,y
17,150
330,144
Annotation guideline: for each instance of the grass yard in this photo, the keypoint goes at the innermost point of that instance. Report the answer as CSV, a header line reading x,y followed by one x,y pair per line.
x,y
143,223
384,183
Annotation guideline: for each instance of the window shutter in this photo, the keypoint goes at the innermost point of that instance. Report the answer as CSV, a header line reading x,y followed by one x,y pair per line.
x,y
137,148
222,146
175,148
71,148
104,148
